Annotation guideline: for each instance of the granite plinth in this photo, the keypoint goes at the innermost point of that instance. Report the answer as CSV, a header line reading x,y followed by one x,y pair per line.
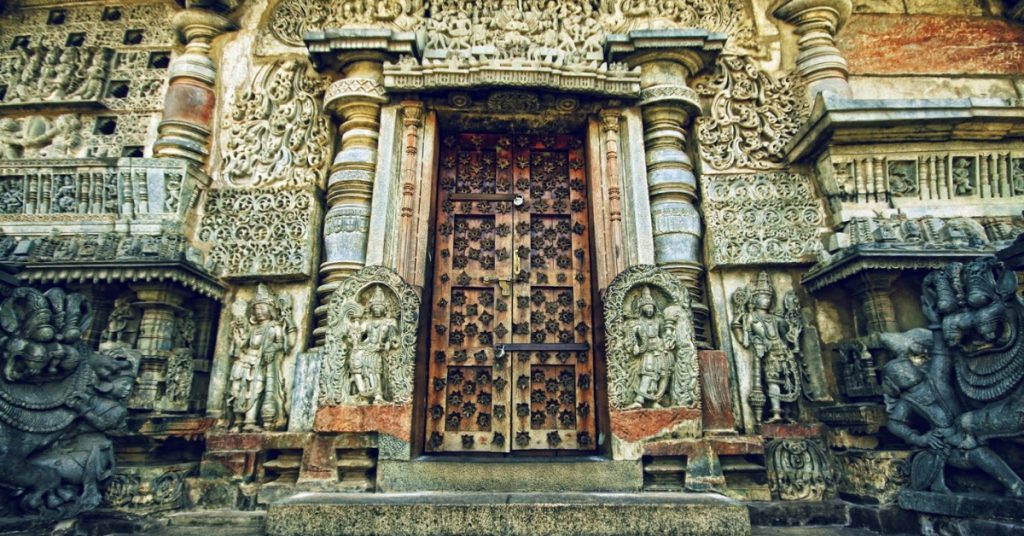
x,y
476,514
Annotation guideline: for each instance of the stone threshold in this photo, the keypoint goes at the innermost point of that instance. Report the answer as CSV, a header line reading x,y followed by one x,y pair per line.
x,y
507,514
498,475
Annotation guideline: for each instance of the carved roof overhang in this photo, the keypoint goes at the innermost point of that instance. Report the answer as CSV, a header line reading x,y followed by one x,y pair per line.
x,y
412,64
179,272
839,121
865,257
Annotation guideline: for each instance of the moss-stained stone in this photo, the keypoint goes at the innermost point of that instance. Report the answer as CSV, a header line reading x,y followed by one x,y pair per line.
x,y
523,476
473,514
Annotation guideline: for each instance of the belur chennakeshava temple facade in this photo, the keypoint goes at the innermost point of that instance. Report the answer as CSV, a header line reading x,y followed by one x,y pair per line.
x,y
511,266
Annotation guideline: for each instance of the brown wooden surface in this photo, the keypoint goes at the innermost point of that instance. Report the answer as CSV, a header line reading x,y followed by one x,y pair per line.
x,y
512,258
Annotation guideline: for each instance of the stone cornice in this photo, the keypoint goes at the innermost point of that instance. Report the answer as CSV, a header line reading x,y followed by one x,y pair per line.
x,y
337,48
121,271
857,259
693,47
838,121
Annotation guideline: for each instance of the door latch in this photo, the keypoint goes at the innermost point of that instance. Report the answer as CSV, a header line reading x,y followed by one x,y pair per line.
x,y
504,284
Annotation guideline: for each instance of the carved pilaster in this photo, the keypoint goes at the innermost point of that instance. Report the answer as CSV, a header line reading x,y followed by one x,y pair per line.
x,y
412,121
873,290
666,63
610,126
190,101
159,304
818,61
356,101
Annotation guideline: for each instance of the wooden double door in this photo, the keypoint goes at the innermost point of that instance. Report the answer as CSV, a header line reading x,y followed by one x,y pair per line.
x,y
511,357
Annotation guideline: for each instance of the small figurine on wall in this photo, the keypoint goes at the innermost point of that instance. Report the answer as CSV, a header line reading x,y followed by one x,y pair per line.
x,y
263,333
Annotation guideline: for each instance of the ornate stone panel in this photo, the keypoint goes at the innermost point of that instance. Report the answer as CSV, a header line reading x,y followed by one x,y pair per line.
x,y
371,340
799,469
764,218
751,116
651,351
274,132
260,232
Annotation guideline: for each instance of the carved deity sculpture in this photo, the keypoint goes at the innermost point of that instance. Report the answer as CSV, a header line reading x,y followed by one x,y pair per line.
x,y
971,388
371,340
774,338
263,333
122,325
58,400
651,353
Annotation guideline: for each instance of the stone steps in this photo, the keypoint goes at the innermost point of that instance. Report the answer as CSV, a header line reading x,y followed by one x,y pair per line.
x,y
507,514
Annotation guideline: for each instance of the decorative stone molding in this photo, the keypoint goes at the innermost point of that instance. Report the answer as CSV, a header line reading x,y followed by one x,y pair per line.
x,y
372,321
651,352
260,232
275,133
751,116
819,62
767,218
799,470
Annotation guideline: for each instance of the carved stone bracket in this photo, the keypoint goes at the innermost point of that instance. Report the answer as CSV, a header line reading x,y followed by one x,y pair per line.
x,y
370,349
651,352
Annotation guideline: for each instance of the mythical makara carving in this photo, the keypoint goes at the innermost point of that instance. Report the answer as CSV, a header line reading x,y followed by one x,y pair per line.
x,y
772,335
58,400
751,115
764,218
971,389
262,334
652,357
275,134
799,469
371,340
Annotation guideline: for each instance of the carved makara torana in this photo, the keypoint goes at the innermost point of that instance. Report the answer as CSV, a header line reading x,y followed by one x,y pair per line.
x,y
371,340
58,399
971,387
772,336
799,469
262,334
652,358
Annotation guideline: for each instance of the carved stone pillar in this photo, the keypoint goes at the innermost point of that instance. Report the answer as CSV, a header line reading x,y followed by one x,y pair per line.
x,y
412,121
160,304
667,59
873,290
818,61
190,101
610,120
356,101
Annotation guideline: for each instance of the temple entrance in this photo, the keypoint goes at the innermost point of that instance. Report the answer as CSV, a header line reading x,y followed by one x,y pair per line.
x,y
511,357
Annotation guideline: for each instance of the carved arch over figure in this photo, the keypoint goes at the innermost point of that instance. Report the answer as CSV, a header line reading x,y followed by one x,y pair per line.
x,y
371,340
651,352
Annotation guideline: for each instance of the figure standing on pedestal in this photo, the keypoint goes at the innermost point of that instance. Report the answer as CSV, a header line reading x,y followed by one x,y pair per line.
x,y
377,335
649,346
263,334
774,338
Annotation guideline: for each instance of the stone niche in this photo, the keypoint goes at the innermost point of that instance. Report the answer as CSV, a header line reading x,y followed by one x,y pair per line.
x,y
366,366
653,371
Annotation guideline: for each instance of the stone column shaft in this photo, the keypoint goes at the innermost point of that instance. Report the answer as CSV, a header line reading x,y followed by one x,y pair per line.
x,y
356,100
818,61
184,131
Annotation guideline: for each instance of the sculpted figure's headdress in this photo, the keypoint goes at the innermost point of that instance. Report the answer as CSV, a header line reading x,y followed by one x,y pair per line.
x,y
762,286
263,295
377,298
643,300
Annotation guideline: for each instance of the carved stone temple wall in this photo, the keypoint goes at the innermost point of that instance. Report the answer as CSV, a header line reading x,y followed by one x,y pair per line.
x,y
764,249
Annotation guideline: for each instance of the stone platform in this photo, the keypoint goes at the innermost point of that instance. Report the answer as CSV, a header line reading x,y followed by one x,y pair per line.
x,y
496,475
508,514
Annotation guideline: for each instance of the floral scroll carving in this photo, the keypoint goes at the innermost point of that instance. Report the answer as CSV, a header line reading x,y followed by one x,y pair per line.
x,y
799,470
275,134
752,115
371,340
652,358
770,217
